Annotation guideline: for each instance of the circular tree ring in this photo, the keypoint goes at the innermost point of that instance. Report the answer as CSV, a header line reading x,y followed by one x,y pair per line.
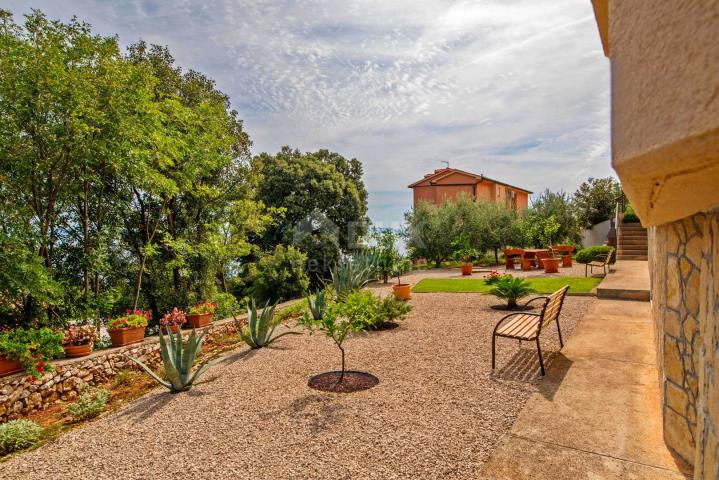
x,y
352,381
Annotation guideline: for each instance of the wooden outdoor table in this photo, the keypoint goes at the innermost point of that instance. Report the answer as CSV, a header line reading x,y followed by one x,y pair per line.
x,y
531,253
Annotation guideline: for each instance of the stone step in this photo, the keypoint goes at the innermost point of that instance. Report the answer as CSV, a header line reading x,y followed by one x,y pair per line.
x,y
639,252
632,244
632,257
632,237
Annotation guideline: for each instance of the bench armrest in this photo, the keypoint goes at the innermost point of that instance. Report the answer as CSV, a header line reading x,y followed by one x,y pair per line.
x,y
535,298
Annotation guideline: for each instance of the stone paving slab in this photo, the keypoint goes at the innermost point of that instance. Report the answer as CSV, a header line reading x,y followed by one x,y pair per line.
x,y
629,280
516,458
597,413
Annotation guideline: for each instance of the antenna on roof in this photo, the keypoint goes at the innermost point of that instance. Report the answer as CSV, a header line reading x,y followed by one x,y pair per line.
x,y
446,162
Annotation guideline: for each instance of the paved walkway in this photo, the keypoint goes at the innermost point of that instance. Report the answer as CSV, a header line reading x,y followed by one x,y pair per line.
x,y
629,280
597,413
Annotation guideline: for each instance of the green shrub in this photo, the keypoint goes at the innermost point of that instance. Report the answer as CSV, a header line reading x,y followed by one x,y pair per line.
x,y
33,348
17,435
90,404
511,289
390,310
227,305
629,215
588,254
280,275
124,377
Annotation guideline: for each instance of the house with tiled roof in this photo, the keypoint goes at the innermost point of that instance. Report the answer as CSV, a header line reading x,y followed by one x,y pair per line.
x,y
447,183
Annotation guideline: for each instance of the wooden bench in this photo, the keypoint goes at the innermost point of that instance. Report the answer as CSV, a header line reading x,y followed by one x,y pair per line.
x,y
600,261
528,325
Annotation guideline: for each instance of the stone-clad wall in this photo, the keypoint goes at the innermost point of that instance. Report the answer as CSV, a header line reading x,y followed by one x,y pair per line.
x,y
684,265
20,394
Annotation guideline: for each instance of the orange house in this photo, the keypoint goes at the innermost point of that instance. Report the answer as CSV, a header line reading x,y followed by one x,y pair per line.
x,y
447,183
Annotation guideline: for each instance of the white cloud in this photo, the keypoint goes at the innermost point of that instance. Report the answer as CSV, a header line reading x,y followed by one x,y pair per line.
x,y
514,89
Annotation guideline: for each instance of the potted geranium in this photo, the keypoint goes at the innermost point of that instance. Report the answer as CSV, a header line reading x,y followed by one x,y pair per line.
x,y
129,328
29,349
402,291
173,320
78,340
200,315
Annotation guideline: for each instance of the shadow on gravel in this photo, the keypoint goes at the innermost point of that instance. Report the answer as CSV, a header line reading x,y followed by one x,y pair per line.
x,y
523,366
145,407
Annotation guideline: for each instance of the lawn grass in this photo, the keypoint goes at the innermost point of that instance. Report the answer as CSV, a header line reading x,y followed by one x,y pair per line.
x,y
477,285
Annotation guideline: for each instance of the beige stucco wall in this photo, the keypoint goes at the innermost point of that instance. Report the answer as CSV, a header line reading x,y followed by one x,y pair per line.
x,y
684,264
665,104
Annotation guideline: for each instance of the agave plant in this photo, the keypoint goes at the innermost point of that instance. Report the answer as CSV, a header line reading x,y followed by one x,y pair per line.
x,y
317,304
260,327
178,360
349,276
511,288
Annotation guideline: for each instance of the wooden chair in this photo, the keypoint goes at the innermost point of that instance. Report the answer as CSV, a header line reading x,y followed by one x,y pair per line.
x,y
528,325
600,261
510,256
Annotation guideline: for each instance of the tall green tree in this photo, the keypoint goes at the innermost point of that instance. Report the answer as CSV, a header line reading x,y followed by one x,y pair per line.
x,y
323,200
596,199
430,231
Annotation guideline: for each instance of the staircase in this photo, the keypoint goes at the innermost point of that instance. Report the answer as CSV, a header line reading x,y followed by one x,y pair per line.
x,y
631,242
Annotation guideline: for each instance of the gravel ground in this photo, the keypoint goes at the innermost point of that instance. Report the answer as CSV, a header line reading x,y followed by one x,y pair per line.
x,y
437,411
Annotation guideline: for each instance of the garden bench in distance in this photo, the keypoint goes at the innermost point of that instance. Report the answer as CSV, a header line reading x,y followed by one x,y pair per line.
x,y
528,325
600,261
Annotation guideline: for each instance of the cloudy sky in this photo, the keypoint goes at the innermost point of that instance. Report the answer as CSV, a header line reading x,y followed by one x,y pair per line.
x,y
515,89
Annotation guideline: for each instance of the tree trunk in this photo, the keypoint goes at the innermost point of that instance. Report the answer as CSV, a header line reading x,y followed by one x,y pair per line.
x,y
512,302
342,373
496,256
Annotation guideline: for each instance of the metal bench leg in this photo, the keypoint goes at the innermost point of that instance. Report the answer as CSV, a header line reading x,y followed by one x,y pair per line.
x,y
559,331
541,361
494,339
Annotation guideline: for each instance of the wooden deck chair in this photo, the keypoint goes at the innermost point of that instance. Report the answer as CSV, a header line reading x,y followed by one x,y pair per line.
x,y
528,325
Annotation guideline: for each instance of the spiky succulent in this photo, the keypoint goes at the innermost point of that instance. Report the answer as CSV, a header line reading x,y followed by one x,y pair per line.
x,y
317,304
349,276
177,359
260,327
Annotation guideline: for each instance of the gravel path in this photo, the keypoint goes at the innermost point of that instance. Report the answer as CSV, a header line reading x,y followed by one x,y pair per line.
x,y
437,412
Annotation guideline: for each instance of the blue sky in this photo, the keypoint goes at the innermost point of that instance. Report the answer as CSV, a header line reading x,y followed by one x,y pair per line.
x,y
515,89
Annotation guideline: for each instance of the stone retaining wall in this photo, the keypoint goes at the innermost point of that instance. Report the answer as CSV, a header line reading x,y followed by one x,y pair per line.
x,y
20,394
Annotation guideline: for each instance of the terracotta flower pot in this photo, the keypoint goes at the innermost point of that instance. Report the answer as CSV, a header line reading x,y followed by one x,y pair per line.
x,y
402,291
466,269
173,328
126,336
74,351
8,367
551,265
199,320
567,261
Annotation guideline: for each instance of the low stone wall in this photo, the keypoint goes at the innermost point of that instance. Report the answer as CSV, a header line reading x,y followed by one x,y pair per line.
x,y
21,394
684,264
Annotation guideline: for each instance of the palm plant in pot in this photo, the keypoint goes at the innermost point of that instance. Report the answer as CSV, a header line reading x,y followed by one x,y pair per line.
x,y
402,291
129,328
200,315
78,340
173,320
511,289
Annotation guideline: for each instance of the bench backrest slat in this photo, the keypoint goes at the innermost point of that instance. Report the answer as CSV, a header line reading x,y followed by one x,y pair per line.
x,y
553,306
